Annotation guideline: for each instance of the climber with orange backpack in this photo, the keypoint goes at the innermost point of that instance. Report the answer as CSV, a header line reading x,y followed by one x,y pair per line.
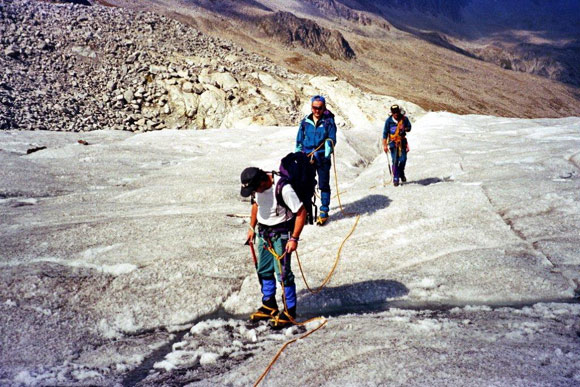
x,y
395,142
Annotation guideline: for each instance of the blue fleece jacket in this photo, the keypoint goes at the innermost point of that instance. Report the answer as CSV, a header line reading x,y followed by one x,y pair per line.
x,y
311,136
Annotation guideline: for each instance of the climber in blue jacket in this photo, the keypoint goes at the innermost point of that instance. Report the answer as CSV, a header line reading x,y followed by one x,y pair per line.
x,y
317,138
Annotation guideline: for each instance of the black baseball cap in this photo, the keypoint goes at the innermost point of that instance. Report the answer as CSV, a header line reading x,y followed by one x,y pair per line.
x,y
251,178
395,109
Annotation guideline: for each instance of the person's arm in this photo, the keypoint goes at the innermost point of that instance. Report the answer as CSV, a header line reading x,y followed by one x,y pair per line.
x,y
330,141
332,131
299,138
253,222
292,244
407,124
386,137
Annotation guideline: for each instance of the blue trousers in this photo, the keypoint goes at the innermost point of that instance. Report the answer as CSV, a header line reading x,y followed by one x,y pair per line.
x,y
399,160
267,267
323,165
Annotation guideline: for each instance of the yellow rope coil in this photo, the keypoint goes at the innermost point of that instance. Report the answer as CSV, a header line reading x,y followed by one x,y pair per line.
x,y
327,279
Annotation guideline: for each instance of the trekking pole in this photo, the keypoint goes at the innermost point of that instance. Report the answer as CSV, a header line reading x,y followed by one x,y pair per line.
x,y
389,164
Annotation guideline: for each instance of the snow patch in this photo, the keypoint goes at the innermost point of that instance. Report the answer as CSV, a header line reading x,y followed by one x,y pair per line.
x,y
10,303
208,358
427,283
427,325
165,365
249,334
202,326
85,374
26,379
180,345
122,324
115,270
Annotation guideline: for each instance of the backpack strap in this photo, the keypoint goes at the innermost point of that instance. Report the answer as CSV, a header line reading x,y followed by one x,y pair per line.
x,y
282,181
278,191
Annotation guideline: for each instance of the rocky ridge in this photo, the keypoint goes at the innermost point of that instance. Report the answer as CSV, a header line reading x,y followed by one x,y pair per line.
x,y
71,67
331,8
559,63
290,29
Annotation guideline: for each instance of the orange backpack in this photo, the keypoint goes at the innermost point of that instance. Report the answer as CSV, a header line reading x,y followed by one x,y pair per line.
x,y
396,137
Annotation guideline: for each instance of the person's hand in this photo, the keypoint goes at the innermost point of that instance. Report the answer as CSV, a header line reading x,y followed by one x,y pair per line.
x,y
386,148
291,246
251,234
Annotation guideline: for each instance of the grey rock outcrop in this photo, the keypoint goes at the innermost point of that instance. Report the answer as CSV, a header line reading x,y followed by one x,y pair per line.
x,y
290,29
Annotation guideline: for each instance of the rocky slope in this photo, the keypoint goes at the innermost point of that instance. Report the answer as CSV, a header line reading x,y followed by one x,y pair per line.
x,y
428,67
72,67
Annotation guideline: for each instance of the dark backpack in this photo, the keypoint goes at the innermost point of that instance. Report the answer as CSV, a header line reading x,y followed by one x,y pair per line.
x,y
296,170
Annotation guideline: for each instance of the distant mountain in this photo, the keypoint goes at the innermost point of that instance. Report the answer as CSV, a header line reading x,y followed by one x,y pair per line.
x,y
539,37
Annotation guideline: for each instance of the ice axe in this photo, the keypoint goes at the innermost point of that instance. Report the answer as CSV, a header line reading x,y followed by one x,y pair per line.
x,y
250,242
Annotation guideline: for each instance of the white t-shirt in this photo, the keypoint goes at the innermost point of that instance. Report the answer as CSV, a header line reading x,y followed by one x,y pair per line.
x,y
268,207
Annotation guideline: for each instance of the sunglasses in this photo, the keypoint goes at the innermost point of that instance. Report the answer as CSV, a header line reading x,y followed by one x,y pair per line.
x,y
317,107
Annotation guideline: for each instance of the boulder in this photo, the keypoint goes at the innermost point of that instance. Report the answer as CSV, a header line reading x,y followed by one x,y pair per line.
x,y
132,58
154,69
211,109
225,81
111,85
128,95
187,87
84,51
12,51
204,77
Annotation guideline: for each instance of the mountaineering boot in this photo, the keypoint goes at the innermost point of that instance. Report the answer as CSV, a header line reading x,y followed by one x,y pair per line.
x,y
396,182
324,207
283,319
403,177
322,218
268,310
